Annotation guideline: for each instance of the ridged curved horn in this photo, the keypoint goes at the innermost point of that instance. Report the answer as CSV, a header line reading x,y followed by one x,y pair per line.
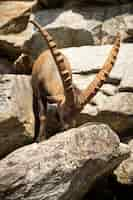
x,y
59,60
95,85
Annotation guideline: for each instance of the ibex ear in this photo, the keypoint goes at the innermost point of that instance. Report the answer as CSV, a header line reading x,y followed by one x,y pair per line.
x,y
94,86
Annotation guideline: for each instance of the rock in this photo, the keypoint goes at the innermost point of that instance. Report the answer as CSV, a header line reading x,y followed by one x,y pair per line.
x,y
113,108
68,27
81,26
56,3
124,171
6,66
16,117
129,24
116,20
126,84
14,16
63,167
50,3
88,60
118,111
13,26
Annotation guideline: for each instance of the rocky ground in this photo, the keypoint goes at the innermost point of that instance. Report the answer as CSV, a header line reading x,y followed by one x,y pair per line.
x,y
95,159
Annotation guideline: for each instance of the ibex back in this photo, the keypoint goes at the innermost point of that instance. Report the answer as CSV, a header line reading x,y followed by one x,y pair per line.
x,y
52,83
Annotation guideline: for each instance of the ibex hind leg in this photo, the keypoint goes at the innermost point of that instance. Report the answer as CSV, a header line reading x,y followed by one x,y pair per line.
x,y
39,108
36,117
42,116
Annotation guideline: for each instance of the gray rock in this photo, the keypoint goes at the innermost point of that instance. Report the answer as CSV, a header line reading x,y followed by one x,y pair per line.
x,y
51,3
16,117
13,26
127,80
89,59
124,171
14,16
113,108
81,26
68,27
120,103
116,20
56,3
6,66
63,167
117,111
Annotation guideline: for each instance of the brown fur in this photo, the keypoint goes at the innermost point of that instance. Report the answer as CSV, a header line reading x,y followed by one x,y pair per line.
x,y
52,82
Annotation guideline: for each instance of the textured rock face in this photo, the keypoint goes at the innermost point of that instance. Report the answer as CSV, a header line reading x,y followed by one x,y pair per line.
x,y
85,26
56,3
113,103
124,172
14,16
13,25
6,66
16,117
64,167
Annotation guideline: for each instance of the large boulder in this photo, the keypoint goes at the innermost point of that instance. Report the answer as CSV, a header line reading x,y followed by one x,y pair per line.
x,y
64,167
6,66
56,3
13,25
16,116
124,172
84,26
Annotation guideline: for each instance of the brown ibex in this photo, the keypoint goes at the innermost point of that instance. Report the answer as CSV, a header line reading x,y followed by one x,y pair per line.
x,y
52,82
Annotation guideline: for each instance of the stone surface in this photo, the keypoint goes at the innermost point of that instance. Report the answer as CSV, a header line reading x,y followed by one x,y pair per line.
x,y
88,60
6,66
56,3
16,117
111,107
63,167
13,26
129,23
82,26
14,16
124,172
68,27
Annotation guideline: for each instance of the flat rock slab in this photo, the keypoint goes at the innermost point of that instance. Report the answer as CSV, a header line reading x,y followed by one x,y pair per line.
x,y
90,25
91,58
56,3
16,116
124,171
14,17
63,167
6,66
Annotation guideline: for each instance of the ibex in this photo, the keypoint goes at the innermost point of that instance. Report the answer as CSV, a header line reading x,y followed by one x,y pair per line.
x,y
52,82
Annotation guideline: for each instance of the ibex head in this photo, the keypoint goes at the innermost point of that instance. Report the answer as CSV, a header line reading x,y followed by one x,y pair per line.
x,y
74,99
